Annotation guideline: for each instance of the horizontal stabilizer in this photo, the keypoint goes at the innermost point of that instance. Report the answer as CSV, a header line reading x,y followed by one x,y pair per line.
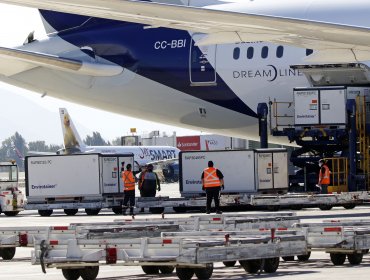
x,y
61,63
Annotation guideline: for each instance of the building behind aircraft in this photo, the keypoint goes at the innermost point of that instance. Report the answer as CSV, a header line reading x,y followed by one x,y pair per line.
x,y
142,154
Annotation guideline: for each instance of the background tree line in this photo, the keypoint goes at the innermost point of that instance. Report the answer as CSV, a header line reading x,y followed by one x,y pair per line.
x,y
16,147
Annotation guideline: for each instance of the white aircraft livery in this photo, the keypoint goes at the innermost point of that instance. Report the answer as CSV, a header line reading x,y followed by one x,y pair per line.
x,y
198,64
142,154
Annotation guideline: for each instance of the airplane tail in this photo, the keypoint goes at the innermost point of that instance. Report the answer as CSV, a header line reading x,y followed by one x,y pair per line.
x,y
72,140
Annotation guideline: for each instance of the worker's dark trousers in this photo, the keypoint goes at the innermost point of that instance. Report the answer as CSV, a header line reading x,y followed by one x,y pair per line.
x,y
213,193
129,197
324,188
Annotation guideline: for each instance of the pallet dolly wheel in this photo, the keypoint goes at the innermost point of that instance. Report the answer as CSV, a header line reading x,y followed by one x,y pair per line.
x,y
166,269
337,258
89,272
251,266
271,265
355,258
184,273
71,274
204,273
229,263
7,253
149,269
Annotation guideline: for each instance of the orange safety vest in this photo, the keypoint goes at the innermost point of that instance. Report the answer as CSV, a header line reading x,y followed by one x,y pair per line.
x,y
210,178
128,180
324,177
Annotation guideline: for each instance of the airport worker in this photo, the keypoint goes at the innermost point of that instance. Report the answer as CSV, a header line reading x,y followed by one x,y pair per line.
x,y
129,180
324,176
212,183
148,182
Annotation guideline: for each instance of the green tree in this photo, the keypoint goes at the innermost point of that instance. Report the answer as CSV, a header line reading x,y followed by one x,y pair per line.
x,y
15,148
116,141
38,146
55,148
95,140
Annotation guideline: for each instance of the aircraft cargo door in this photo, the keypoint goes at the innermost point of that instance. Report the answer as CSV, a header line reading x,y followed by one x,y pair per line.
x,y
202,63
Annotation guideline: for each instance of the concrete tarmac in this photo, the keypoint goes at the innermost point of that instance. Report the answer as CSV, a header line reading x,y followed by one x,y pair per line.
x,y
318,267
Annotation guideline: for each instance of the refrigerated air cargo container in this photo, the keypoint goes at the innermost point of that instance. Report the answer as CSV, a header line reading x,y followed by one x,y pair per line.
x,y
320,105
245,171
90,181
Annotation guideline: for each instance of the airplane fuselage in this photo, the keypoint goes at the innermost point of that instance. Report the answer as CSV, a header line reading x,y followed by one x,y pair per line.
x,y
168,78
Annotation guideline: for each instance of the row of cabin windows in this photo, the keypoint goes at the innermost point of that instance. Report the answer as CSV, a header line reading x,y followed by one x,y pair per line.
x,y
264,52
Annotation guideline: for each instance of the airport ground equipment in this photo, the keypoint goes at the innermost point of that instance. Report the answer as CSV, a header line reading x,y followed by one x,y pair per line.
x,y
253,247
248,241
327,122
12,237
245,171
11,198
341,239
294,201
70,182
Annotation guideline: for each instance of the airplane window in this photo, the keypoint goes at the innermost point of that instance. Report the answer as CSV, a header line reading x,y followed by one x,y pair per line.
x,y
265,52
236,53
279,51
308,52
250,52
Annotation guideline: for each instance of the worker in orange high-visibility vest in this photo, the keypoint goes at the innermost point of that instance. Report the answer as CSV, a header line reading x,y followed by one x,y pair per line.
x,y
212,183
128,180
324,176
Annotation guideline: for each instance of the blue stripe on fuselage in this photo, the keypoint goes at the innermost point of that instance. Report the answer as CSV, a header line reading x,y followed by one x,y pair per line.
x,y
129,45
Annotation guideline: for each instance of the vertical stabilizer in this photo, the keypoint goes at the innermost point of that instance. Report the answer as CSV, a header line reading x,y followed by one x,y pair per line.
x,y
72,140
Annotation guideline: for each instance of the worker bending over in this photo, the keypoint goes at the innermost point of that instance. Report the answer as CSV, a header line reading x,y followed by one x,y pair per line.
x,y
149,182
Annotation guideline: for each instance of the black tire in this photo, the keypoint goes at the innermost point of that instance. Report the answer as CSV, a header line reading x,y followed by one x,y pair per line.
x,y
89,272
179,209
156,210
71,274
325,207
349,206
204,273
45,213
273,208
92,212
166,269
296,207
7,253
229,263
304,258
148,269
11,213
70,212
271,265
355,258
184,273
251,266
288,258
337,258
117,210
366,251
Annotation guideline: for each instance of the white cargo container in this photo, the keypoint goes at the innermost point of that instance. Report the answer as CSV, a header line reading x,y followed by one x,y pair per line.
x,y
320,105
77,177
271,169
245,171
